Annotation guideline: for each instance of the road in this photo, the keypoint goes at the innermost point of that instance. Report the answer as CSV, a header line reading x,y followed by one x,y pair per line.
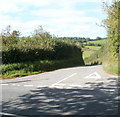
x,y
85,90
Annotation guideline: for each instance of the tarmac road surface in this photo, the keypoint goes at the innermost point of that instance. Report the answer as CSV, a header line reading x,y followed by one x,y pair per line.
x,y
86,90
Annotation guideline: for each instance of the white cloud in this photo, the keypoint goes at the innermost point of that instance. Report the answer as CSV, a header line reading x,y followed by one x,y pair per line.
x,y
59,17
6,6
13,5
57,13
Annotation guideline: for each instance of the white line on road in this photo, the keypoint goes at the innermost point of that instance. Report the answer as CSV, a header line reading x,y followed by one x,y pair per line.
x,y
75,85
8,114
94,75
64,79
4,84
13,84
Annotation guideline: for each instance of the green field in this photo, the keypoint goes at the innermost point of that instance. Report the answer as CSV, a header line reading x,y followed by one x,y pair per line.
x,y
102,42
88,50
87,53
93,47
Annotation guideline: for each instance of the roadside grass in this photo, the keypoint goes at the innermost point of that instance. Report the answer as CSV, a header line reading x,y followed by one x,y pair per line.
x,y
102,56
29,68
112,68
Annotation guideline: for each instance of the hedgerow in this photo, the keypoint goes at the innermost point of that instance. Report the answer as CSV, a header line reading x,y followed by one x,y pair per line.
x,y
38,47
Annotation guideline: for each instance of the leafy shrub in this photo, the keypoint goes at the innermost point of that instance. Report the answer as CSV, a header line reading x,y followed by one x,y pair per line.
x,y
36,48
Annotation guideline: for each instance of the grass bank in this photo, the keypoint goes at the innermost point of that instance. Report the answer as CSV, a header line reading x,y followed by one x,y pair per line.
x,y
101,56
112,68
29,68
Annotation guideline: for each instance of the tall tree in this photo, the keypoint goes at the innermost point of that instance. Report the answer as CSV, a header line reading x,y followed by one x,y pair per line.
x,y
112,24
9,36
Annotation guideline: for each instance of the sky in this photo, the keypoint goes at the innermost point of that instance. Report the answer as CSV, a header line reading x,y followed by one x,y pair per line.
x,y
63,18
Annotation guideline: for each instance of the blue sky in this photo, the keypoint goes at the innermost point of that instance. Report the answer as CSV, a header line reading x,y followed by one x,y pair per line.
x,y
68,18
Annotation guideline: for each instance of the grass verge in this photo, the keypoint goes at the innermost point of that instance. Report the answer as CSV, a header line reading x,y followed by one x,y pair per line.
x,y
112,68
29,68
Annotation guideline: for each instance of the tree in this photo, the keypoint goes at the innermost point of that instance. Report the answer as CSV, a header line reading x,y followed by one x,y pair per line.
x,y
42,34
98,38
112,25
15,34
9,36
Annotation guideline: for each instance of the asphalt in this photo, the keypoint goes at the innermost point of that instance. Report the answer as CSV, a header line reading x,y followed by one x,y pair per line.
x,y
86,90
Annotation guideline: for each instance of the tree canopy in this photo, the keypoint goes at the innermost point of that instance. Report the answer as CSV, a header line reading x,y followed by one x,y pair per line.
x,y
112,25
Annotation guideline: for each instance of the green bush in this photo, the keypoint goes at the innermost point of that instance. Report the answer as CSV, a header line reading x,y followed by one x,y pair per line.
x,y
35,48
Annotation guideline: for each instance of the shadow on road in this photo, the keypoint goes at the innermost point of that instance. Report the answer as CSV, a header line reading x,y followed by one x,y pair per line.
x,y
51,101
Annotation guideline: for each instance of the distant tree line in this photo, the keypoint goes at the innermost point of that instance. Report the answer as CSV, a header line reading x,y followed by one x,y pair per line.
x,y
82,39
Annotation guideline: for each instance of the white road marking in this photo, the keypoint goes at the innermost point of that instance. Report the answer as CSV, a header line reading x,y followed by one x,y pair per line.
x,y
68,87
75,85
64,79
8,114
94,75
13,84
4,84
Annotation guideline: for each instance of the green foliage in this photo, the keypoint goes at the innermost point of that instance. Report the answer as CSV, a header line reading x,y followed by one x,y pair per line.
x,y
112,67
110,61
41,46
102,56
87,54
90,52
112,26
27,68
96,57
29,55
82,39
9,37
